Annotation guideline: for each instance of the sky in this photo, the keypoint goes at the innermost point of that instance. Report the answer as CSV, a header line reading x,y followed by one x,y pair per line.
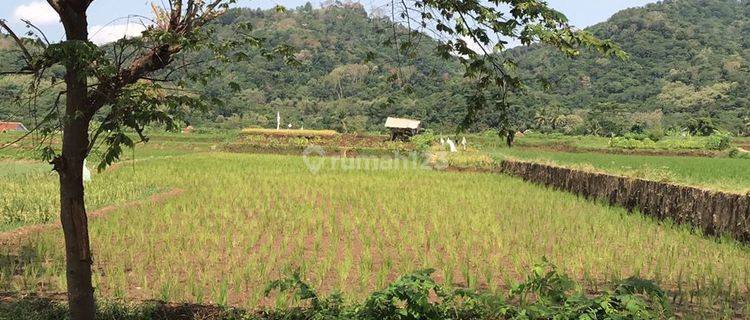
x,y
110,20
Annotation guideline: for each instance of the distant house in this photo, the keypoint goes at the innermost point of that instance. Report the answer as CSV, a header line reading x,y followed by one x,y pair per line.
x,y
402,129
12,126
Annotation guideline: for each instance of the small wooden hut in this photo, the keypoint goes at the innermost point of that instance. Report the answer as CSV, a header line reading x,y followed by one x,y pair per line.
x,y
402,129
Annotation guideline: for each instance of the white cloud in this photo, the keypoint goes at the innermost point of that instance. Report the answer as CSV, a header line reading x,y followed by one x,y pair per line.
x,y
113,32
480,48
474,46
37,12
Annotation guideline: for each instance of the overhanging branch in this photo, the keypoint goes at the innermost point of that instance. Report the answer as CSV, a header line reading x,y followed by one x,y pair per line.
x,y
27,56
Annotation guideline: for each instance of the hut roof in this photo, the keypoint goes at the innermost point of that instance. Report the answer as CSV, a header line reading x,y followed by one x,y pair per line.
x,y
12,126
401,123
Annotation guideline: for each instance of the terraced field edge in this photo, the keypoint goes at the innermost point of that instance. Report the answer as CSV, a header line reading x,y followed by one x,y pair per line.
x,y
713,212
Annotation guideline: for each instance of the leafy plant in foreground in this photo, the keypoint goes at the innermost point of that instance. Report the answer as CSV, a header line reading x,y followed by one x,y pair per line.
x,y
330,307
546,294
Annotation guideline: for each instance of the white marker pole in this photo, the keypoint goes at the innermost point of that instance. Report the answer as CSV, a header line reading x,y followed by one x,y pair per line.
x,y
86,173
452,145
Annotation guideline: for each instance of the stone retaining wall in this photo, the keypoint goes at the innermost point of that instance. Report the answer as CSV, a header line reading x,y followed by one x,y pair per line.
x,y
714,212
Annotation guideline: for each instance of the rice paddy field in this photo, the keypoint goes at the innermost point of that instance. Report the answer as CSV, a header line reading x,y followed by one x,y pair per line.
x,y
186,224
29,190
161,144
673,144
715,171
720,173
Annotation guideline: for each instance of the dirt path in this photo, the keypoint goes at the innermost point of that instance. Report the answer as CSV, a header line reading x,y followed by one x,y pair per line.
x,y
17,235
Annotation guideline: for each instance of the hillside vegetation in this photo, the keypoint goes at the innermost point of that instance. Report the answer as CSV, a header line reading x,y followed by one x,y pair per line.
x,y
688,59
349,79
688,67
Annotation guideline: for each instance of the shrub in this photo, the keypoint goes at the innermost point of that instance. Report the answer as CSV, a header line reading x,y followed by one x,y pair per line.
x,y
738,153
471,160
546,294
655,134
489,134
637,141
628,143
635,136
719,141
423,141
701,126
290,133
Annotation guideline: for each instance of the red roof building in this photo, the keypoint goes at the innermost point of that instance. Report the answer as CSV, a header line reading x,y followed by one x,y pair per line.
x,y
12,126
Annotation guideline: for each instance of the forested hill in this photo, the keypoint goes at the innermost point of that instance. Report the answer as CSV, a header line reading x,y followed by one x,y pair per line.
x,y
349,79
689,58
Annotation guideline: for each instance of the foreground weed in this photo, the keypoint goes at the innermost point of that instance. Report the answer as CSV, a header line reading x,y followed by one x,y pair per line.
x,y
546,294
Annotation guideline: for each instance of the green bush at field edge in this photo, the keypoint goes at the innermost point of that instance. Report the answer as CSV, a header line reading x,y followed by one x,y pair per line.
x,y
631,141
738,153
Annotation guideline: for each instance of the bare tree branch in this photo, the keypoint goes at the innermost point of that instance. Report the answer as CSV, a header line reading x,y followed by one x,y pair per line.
x,y
44,37
19,42
157,58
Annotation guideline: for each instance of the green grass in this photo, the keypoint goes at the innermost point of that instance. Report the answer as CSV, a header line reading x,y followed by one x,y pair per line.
x,y
588,142
667,145
716,173
30,189
743,142
724,174
491,140
23,149
160,144
245,220
290,132
33,198
10,168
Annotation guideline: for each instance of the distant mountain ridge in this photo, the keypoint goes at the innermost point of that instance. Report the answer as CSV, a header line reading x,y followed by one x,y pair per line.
x,y
688,58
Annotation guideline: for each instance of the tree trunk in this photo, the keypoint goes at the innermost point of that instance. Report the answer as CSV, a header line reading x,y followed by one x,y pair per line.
x,y
75,222
70,167
72,207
